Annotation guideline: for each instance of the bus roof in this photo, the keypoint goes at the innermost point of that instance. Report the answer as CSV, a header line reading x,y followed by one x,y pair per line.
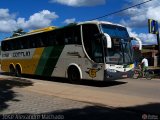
x,y
41,30
100,22
50,28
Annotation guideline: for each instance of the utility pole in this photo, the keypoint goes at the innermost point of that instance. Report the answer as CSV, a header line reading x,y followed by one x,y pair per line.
x,y
158,42
158,55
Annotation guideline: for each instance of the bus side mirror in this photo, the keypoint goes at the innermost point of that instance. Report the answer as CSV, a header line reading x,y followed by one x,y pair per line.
x,y
138,40
107,40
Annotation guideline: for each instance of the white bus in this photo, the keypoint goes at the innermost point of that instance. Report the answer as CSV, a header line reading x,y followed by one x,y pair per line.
x,y
93,50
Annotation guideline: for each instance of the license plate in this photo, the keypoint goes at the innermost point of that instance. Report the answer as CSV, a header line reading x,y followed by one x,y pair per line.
x,y
124,76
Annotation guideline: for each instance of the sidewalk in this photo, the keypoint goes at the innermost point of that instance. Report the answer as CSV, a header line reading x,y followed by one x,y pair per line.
x,y
101,98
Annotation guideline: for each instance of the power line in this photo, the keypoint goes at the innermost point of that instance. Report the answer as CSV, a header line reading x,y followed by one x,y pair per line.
x,y
122,10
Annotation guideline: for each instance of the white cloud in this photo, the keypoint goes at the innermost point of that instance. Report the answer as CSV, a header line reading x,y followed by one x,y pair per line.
x,y
5,15
138,16
148,38
79,3
68,21
9,23
131,32
145,38
37,20
153,13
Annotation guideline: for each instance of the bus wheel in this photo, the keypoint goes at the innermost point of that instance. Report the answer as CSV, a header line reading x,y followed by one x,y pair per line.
x,y
18,71
73,75
12,70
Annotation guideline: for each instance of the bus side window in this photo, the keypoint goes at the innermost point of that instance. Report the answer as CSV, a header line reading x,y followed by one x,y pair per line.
x,y
43,40
60,37
72,35
77,35
49,39
15,44
18,44
32,41
21,44
25,43
90,42
52,39
9,45
68,36
66,41
39,41
3,46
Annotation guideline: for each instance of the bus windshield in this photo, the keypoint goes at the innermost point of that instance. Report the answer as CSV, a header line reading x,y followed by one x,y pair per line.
x,y
120,52
115,31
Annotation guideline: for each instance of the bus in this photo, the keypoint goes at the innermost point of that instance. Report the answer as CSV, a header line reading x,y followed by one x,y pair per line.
x,y
92,50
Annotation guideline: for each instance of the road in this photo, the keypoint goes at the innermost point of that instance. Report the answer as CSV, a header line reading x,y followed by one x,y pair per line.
x,y
88,99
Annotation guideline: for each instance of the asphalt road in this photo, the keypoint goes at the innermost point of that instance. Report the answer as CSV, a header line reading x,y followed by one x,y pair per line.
x,y
135,87
122,99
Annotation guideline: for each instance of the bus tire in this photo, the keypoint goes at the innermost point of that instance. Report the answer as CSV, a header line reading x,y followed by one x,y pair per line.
x,y
12,70
73,75
18,70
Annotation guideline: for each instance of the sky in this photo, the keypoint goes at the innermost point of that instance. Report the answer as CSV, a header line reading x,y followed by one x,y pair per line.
x,y
34,14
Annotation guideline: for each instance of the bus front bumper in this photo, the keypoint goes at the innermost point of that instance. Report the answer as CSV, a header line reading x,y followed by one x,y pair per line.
x,y
115,75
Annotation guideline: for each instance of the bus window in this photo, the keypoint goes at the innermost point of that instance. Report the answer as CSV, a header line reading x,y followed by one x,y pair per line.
x,y
72,35
3,46
32,41
52,38
25,43
77,35
7,45
97,50
20,44
39,40
16,44
68,36
60,37
91,44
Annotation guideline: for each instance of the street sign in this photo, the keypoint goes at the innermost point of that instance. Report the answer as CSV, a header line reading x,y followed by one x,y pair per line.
x,y
153,26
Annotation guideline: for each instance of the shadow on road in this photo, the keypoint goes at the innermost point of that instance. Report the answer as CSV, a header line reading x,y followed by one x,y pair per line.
x,y
96,113
91,83
6,92
101,83
151,111
100,113
151,108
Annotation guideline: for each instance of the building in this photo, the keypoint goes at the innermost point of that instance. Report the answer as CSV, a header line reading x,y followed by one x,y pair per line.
x,y
150,52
